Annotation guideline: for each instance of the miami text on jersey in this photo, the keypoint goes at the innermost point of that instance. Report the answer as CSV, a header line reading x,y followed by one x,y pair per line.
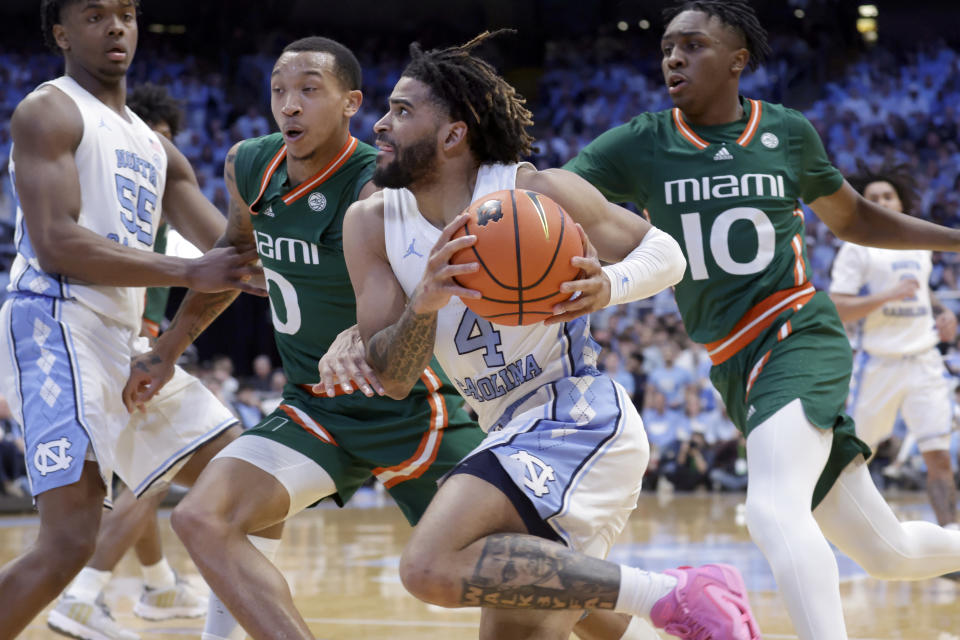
x,y
728,186
286,249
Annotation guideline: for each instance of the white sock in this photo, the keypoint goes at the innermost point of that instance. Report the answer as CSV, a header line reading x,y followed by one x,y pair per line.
x,y
220,623
159,575
640,590
953,526
88,584
639,629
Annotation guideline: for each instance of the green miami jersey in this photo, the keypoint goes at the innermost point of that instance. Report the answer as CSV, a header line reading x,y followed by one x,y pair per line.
x,y
407,444
728,194
298,232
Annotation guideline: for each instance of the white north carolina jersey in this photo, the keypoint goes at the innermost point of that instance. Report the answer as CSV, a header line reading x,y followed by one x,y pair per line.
x,y
494,366
899,327
122,168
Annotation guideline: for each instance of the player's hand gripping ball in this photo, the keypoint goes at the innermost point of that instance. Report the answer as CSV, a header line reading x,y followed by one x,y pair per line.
x,y
524,245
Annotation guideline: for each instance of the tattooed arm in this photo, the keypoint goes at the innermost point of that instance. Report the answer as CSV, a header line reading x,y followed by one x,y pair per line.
x,y
399,333
150,371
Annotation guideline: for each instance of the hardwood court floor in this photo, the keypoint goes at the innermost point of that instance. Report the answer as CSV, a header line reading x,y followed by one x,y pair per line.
x,y
342,567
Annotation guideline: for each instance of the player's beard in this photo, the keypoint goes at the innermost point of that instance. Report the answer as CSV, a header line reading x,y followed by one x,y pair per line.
x,y
410,164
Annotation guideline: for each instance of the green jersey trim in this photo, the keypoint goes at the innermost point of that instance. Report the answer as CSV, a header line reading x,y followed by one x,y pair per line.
x,y
305,187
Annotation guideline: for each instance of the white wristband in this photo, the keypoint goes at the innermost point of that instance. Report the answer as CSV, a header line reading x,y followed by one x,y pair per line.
x,y
657,263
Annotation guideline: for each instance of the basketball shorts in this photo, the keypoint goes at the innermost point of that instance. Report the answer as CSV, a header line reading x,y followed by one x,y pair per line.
x,y
915,385
577,450
805,354
63,370
408,445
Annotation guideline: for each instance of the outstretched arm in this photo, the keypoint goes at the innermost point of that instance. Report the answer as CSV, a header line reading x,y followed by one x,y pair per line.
x,y
399,334
855,219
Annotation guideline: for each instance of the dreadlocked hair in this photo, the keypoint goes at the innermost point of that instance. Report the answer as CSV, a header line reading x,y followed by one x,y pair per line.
x,y
736,14
898,176
471,90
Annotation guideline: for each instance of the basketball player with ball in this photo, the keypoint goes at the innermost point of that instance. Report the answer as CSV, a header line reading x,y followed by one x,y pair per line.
x,y
522,524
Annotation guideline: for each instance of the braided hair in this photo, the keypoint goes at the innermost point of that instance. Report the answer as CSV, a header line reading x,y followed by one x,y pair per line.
x,y
470,89
735,14
898,176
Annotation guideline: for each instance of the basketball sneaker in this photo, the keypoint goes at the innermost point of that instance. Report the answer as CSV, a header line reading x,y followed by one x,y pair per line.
x,y
178,601
86,620
708,603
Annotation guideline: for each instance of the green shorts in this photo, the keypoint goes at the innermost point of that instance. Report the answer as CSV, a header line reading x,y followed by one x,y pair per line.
x,y
408,445
813,362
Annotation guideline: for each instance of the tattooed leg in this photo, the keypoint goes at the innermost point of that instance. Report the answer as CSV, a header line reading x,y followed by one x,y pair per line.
x,y
525,572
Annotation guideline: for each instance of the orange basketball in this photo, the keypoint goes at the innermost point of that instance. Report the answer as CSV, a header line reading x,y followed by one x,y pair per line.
x,y
524,245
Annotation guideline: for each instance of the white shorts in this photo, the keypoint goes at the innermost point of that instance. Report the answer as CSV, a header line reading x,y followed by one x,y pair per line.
x,y
577,449
63,368
916,386
306,481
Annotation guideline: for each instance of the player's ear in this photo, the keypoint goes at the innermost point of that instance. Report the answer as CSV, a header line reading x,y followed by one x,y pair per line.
x,y
60,37
352,104
455,134
741,57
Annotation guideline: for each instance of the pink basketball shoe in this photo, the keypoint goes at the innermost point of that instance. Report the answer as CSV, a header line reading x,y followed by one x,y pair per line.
x,y
708,603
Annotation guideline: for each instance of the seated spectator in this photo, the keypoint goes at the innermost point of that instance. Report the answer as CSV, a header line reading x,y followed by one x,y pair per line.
x,y
262,371
670,379
612,366
729,469
247,406
687,462
222,369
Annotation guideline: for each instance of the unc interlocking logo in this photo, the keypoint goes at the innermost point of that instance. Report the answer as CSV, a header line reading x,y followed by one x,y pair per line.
x,y
317,201
539,472
769,140
52,456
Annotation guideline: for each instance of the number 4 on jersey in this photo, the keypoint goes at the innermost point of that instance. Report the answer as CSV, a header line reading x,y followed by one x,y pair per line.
x,y
475,333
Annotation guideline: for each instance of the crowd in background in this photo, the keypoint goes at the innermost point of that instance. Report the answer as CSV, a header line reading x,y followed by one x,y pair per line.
x,y
881,109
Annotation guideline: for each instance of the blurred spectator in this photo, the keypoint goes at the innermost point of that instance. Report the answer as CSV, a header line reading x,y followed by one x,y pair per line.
x,y
729,469
13,472
222,369
262,371
670,379
686,462
247,406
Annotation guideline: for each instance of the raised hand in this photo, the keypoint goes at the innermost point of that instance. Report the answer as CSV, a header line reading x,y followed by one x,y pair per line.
x,y
225,268
345,363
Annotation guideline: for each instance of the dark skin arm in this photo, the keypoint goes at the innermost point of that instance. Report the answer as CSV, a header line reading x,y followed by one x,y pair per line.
x,y
150,371
399,336
853,218
47,128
